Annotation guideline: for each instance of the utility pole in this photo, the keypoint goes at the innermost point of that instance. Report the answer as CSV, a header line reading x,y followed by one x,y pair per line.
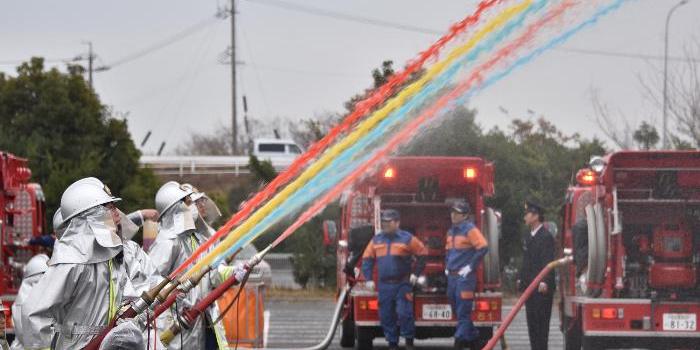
x,y
246,124
234,125
91,59
664,142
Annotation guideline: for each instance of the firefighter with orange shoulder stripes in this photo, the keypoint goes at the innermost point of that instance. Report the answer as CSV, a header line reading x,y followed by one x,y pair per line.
x,y
465,247
394,250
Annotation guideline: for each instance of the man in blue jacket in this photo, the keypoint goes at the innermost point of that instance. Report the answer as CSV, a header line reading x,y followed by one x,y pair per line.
x,y
465,247
393,250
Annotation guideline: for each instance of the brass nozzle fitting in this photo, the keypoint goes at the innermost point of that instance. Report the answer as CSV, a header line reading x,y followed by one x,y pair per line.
x,y
169,334
151,295
163,295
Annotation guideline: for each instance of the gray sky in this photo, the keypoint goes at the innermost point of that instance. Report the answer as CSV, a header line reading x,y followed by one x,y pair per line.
x,y
297,65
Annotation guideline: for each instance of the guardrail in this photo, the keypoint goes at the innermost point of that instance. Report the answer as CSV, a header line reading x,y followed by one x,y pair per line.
x,y
205,165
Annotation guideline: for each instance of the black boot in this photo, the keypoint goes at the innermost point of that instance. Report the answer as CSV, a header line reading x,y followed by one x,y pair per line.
x,y
459,345
409,344
393,346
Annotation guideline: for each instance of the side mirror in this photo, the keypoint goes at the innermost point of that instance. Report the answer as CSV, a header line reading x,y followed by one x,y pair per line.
x,y
330,233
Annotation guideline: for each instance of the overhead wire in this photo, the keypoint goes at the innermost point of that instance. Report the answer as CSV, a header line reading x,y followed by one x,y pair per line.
x,y
196,62
251,57
46,60
165,42
411,28
344,16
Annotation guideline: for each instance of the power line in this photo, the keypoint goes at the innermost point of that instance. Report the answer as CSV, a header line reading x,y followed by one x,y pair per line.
x,y
364,20
627,55
136,54
304,71
344,16
161,44
46,60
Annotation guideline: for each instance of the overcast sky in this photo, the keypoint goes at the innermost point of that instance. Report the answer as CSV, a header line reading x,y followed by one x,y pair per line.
x,y
297,65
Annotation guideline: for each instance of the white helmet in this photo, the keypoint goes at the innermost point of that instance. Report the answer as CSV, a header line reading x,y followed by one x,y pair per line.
x,y
82,195
36,265
169,194
57,219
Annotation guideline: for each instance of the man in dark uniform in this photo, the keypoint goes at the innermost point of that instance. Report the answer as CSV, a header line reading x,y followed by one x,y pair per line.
x,y
538,252
393,250
465,247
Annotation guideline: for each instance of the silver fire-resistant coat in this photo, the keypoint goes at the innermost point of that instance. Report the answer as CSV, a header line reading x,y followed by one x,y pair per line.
x,y
142,272
27,285
33,272
177,239
84,283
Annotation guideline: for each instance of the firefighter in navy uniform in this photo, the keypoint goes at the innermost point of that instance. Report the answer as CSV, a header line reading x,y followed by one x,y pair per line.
x,y
393,250
538,252
465,248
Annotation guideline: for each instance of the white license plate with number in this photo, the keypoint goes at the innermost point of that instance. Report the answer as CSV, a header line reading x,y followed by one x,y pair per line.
x,y
680,322
437,312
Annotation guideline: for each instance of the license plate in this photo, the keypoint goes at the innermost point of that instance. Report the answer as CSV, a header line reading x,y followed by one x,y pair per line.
x,y
437,312
680,322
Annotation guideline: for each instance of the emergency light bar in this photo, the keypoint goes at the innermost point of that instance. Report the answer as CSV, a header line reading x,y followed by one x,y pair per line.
x,y
470,173
389,173
586,177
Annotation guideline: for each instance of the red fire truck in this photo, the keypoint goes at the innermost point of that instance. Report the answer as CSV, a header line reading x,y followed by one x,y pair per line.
x,y
21,219
422,190
632,222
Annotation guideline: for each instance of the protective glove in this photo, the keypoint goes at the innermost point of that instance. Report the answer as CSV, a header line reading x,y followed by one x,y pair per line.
x,y
240,270
413,279
447,272
465,271
369,285
149,214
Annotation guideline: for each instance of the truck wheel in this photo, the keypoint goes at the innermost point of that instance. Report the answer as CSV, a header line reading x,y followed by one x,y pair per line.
x,y
591,343
572,333
364,338
347,333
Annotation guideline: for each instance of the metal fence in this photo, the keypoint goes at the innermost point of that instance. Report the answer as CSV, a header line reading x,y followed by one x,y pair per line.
x,y
205,165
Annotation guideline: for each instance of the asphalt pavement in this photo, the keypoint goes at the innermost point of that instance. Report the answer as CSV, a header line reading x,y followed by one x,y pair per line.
x,y
301,323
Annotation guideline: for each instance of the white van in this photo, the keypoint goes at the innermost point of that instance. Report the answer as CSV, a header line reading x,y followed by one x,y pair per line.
x,y
276,148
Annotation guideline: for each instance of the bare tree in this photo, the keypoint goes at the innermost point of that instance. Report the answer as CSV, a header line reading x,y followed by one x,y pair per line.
x,y
614,125
683,95
307,131
217,143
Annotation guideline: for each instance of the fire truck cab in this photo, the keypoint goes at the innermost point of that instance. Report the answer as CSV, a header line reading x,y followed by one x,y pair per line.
x,y
632,223
21,219
422,190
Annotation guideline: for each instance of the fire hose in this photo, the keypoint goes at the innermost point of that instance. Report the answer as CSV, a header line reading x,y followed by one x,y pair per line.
x,y
334,324
160,298
188,317
523,298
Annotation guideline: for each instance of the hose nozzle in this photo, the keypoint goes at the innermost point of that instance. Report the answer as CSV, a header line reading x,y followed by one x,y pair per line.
x,y
150,296
169,334
163,295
